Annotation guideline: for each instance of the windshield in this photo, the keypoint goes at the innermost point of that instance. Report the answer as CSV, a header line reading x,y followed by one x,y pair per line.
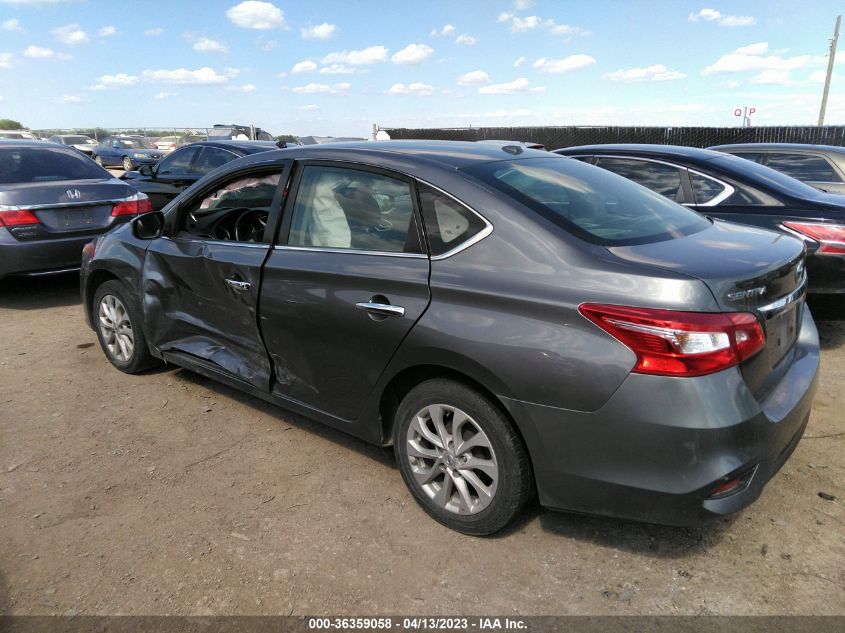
x,y
765,176
45,164
592,203
135,143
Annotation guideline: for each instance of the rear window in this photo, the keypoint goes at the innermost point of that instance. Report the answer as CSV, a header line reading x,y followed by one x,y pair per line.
x,y
46,164
590,202
803,167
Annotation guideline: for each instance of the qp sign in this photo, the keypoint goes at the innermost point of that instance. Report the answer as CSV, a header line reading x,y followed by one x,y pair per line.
x,y
738,112
751,111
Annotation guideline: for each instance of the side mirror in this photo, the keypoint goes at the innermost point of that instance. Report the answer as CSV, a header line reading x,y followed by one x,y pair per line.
x,y
148,226
146,170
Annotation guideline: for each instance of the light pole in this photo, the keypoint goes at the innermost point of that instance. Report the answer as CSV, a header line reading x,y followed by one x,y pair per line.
x,y
830,60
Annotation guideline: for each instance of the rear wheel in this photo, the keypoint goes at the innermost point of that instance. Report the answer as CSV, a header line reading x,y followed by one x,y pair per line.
x,y
461,458
119,329
127,164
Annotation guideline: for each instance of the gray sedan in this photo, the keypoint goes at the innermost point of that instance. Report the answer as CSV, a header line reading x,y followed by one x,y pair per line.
x,y
513,323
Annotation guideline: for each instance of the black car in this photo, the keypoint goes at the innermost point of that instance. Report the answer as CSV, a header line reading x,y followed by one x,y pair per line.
x,y
184,166
512,322
730,188
53,200
821,166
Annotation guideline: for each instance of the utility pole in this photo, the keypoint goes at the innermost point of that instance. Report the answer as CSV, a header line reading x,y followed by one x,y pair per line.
x,y
830,60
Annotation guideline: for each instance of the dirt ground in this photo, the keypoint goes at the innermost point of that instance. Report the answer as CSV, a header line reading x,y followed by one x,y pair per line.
x,y
167,493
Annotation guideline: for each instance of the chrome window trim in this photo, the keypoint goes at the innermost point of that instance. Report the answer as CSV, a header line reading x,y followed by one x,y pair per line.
x,y
263,245
475,239
350,251
62,205
727,192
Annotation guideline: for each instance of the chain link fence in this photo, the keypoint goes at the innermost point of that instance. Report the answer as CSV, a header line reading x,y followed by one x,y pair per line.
x,y
554,137
99,133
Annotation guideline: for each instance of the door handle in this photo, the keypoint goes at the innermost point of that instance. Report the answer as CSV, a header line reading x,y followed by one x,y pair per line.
x,y
381,309
238,285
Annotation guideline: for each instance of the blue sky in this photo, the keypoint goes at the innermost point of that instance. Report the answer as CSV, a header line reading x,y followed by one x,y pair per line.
x,y
336,67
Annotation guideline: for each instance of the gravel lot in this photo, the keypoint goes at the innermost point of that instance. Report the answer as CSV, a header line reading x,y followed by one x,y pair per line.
x,y
167,493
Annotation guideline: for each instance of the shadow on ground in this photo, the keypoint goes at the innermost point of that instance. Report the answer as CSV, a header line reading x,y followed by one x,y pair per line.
x,y
650,540
37,293
829,314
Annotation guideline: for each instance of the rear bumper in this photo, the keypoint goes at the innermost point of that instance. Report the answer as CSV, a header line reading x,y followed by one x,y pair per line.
x,y
657,449
40,256
826,274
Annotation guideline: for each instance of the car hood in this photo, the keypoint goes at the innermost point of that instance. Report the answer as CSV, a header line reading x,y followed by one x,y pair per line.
x,y
49,193
729,258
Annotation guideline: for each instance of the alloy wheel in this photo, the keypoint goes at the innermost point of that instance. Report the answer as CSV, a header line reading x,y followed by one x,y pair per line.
x,y
116,329
452,459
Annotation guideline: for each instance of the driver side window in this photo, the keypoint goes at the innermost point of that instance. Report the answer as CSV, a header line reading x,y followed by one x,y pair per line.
x,y
236,210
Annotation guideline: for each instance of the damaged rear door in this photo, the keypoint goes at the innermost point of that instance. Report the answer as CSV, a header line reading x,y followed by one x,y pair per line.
x,y
201,282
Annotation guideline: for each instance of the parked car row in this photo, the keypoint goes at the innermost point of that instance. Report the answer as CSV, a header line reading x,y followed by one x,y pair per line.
x,y
514,322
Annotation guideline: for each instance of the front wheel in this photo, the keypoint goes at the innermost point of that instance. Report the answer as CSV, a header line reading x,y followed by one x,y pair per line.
x,y
461,457
98,160
127,164
119,329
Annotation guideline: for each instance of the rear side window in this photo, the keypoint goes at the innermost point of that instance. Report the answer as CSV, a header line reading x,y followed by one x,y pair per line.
x,y
46,164
177,163
448,223
704,189
594,204
803,167
353,209
663,179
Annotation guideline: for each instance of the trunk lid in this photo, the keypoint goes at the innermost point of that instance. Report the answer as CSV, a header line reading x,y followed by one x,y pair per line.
x,y
747,270
68,206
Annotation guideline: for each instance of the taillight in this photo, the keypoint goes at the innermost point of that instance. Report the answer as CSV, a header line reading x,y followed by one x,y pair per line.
x,y
133,205
831,237
17,217
674,343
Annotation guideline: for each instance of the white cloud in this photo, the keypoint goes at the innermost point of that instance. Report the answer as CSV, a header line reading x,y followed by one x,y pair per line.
x,y
208,45
711,15
71,99
244,88
656,72
165,95
5,60
417,89
305,66
474,78
522,5
817,77
315,88
447,31
337,69
324,31
412,54
107,31
2,98
565,65
504,114
531,22
519,62
773,77
70,34
468,40
11,25
183,76
38,52
516,86
308,107
369,55
756,57
254,14
154,32
267,45
120,80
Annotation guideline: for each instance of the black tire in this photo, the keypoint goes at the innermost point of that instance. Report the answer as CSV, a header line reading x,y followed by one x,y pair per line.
x,y
515,482
99,161
127,164
140,358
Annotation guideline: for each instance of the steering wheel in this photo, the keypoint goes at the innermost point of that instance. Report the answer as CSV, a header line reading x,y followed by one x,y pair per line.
x,y
250,225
